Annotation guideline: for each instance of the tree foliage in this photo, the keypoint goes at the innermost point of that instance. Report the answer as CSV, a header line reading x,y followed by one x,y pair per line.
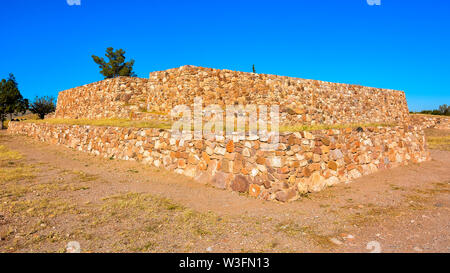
x,y
11,101
443,110
43,106
116,65
3,104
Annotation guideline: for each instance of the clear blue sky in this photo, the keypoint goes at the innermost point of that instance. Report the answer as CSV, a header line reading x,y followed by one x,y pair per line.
x,y
401,44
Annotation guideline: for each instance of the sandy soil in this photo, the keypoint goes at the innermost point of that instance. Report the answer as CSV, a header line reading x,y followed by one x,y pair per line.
x,y
51,195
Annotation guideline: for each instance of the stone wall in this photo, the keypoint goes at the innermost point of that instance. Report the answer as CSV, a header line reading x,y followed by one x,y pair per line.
x,y
301,101
431,121
304,161
121,97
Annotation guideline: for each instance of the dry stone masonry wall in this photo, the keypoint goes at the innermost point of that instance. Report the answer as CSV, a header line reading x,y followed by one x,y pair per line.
x,y
303,162
301,101
121,97
430,121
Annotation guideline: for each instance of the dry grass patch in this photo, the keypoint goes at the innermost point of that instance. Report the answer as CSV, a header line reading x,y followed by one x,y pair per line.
x,y
10,167
301,127
7,155
29,117
439,143
292,229
40,207
85,177
438,139
143,222
107,122
168,125
15,173
160,211
422,198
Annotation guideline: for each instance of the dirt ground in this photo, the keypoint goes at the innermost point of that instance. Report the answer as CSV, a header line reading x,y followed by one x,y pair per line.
x,y
52,195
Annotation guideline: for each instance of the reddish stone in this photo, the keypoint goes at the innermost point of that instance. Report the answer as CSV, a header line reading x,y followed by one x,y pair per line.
x,y
317,150
181,163
260,160
291,140
256,145
240,184
254,190
307,172
284,169
230,146
206,157
267,184
259,180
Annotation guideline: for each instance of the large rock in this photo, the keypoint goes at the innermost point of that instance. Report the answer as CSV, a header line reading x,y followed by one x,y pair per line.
x,y
286,195
240,184
219,180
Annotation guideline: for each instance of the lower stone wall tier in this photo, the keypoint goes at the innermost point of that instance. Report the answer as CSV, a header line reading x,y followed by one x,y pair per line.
x,y
304,161
429,121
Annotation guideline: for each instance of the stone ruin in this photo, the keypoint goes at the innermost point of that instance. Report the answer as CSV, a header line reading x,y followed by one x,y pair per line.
x,y
301,101
305,161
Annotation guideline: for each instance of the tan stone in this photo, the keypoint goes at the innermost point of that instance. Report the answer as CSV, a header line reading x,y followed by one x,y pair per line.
x,y
333,165
193,159
237,166
308,135
246,152
286,195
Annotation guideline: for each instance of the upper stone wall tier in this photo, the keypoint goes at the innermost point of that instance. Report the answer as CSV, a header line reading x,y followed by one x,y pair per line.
x,y
301,101
120,97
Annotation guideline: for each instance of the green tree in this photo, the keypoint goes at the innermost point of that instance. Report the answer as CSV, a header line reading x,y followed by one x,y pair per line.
x,y
11,101
15,103
116,65
3,104
444,109
254,70
43,106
